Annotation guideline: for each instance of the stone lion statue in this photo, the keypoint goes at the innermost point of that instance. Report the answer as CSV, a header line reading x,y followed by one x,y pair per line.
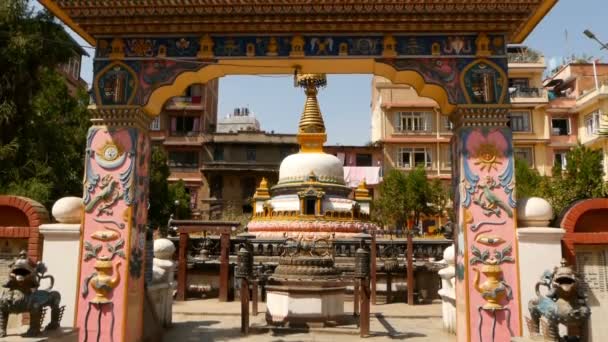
x,y
21,294
565,303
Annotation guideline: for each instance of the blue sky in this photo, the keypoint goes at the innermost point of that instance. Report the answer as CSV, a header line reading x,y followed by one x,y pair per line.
x,y
345,102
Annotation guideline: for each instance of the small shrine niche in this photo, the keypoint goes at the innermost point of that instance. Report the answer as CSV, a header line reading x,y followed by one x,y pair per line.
x,y
389,47
297,47
206,47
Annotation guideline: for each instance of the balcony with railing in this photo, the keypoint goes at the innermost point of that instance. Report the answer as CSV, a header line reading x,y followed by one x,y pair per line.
x,y
528,95
526,57
185,103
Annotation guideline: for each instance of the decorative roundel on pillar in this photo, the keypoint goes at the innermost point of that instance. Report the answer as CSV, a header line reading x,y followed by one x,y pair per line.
x,y
484,82
115,85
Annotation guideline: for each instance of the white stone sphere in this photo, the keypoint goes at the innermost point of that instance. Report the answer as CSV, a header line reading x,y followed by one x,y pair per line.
x,y
68,210
163,249
300,165
534,212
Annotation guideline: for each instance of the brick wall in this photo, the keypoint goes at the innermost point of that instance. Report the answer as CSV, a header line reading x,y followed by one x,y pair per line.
x,y
585,224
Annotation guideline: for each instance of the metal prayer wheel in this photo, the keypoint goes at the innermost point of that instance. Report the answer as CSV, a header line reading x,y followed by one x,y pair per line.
x,y
244,263
362,263
391,265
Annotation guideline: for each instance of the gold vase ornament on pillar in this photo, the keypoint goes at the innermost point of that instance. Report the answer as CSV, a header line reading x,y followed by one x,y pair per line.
x,y
493,290
102,281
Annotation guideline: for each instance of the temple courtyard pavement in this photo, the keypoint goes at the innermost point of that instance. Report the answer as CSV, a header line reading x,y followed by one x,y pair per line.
x,y
210,320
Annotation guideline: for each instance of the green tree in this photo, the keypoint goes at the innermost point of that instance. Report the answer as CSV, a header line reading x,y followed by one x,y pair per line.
x,y
581,179
159,210
419,196
180,200
163,195
391,208
440,198
42,128
528,180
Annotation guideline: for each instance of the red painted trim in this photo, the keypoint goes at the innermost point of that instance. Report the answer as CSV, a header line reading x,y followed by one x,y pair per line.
x,y
36,215
568,223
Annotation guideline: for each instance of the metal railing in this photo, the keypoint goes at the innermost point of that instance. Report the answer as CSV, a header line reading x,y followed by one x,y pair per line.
x,y
524,57
528,93
208,249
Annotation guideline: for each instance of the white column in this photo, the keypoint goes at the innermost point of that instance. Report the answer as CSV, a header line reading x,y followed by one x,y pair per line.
x,y
60,253
539,247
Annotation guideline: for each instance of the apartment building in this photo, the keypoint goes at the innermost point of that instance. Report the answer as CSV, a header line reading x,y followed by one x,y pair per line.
x,y
234,161
71,70
361,163
528,120
414,132
577,109
184,125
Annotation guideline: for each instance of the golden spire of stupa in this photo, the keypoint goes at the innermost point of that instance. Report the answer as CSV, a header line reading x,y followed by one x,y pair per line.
x,y
311,130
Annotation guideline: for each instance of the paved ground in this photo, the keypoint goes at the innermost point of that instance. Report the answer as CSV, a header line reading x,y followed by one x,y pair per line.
x,y
211,321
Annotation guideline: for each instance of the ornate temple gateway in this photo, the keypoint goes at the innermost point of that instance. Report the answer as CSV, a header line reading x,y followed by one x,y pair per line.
x,y
311,197
451,51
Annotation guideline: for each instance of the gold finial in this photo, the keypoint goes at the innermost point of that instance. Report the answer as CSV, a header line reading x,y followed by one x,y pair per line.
x,y
311,129
262,191
361,193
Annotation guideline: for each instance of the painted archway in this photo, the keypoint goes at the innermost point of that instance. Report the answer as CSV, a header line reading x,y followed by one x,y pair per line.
x,y
413,78
585,224
20,218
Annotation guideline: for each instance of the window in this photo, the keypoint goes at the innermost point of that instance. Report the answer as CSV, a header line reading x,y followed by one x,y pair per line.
x,y
520,121
193,197
216,186
519,83
448,162
247,187
448,125
560,126
592,123
183,159
218,153
559,157
526,154
363,159
155,124
412,157
414,121
184,125
342,157
75,71
251,153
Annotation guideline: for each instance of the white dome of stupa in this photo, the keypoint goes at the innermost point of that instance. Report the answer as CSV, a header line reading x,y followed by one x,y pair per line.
x,y
299,166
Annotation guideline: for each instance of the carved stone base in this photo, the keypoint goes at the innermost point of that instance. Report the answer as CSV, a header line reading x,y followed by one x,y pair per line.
x,y
296,305
304,290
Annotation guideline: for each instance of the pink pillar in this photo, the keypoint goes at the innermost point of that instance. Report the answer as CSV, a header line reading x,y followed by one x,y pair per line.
x,y
487,271
111,274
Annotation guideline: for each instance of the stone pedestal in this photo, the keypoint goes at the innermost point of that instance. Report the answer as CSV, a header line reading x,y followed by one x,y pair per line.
x,y
305,290
60,253
448,292
301,304
163,282
539,250
539,246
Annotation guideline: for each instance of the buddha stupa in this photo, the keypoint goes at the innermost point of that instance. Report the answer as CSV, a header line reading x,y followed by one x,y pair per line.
x,y
310,200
